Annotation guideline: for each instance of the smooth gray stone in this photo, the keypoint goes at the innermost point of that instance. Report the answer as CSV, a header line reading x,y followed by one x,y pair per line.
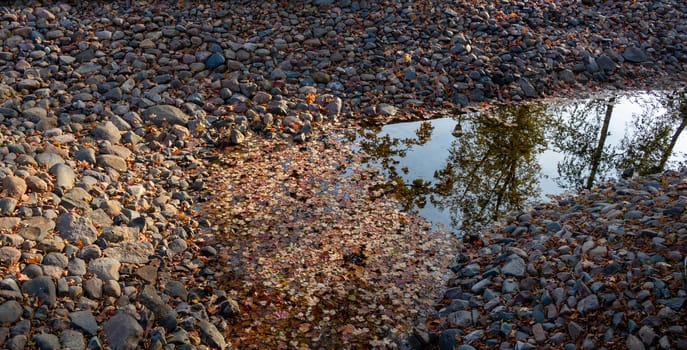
x,y
122,332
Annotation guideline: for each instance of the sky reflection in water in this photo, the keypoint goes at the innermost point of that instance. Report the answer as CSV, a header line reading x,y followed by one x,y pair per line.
x,y
463,177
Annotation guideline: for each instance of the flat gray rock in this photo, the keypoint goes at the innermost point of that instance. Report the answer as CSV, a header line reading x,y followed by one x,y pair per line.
x,y
55,259
176,289
165,114
36,184
211,336
84,320
105,268
514,266
35,114
64,176
77,197
71,339
131,252
10,311
633,343
527,88
111,161
122,332
75,228
9,256
47,160
107,131
45,341
165,315
387,109
41,287
634,54
588,304
35,228
13,186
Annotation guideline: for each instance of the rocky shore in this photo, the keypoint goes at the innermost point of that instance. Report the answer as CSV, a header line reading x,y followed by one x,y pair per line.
x,y
110,118
603,269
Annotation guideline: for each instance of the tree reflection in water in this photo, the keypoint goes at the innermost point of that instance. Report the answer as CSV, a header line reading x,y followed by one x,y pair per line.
x,y
657,130
494,161
385,151
492,165
579,131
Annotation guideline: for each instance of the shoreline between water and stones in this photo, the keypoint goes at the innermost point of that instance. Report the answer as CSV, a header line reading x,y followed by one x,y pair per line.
x,y
600,269
110,118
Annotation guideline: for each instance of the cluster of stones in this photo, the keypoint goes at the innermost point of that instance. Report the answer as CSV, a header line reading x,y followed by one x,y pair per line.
x,y
105,111
601,270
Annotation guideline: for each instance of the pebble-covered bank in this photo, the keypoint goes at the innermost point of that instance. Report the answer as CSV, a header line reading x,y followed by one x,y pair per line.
x,y
603,269
109,115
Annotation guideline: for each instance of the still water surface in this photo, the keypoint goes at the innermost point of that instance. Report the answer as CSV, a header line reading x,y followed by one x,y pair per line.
x,y
462,171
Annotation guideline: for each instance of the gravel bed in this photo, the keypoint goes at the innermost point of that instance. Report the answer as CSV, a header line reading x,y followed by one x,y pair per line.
x,y
110,117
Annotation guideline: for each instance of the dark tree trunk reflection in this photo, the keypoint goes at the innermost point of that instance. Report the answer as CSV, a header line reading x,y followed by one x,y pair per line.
x,y
655,133
579,132
494,161
596,156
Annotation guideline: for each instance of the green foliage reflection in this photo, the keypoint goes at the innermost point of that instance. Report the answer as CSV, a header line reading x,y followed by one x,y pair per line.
x,y
494,161
580,128
657,129
492,166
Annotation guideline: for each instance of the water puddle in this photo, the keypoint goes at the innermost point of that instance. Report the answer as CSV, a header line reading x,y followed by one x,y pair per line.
x,y
462,171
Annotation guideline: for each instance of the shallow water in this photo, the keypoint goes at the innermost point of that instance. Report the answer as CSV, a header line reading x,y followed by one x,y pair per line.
x,y
513,156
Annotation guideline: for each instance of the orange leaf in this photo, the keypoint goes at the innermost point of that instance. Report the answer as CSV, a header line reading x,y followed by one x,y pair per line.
x,y
310,97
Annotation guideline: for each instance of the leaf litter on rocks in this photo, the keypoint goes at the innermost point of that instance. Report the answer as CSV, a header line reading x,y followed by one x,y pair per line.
x,y
315,256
